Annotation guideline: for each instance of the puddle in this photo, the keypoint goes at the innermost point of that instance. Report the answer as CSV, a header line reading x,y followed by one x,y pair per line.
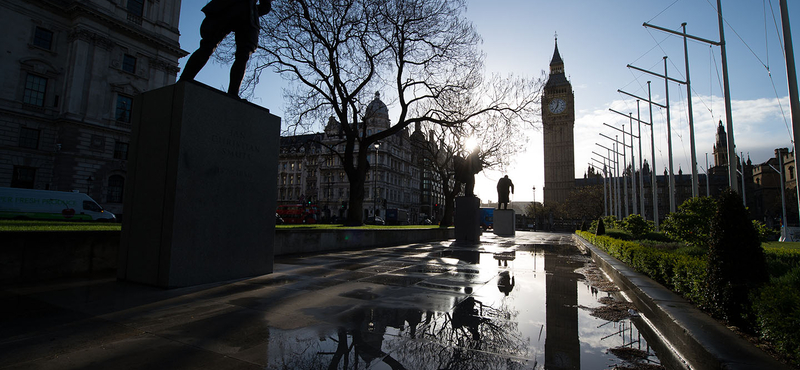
x,y
508,309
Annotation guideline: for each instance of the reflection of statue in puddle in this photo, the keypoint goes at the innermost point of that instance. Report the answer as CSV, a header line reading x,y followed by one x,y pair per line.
x,y
504,257
368,332
466,316
506,282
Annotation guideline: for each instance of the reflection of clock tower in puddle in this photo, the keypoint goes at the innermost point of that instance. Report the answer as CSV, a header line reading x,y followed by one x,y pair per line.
x,y
558,120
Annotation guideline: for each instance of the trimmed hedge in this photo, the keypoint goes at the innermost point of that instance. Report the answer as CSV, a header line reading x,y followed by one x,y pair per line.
x,y
780,261
778,315
683,274
776,304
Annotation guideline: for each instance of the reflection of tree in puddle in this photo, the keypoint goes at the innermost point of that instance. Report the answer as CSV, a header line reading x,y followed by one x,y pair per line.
x,y
472,336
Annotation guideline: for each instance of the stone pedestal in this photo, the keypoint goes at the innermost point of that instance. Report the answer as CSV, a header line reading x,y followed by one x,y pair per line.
x,y
200,193
504,222
467,219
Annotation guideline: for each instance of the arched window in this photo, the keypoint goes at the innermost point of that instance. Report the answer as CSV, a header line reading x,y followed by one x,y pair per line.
x,y
791,172
116,183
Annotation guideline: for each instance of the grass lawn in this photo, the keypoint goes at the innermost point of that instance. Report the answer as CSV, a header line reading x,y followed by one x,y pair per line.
x,y
781,245
15,225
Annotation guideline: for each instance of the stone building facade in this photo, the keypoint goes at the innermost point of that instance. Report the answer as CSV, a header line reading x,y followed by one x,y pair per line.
x,y
761,184
310,170
71,70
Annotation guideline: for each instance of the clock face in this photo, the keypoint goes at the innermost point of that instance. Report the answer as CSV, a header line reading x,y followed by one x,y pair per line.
x,y
557,105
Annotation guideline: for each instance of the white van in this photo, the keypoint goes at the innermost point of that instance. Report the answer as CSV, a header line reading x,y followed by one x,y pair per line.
x,y
50,205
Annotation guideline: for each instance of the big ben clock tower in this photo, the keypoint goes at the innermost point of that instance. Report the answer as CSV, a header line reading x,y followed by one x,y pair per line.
x,y
558,121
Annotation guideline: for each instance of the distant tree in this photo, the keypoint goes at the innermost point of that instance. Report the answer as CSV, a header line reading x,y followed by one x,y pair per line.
x,y
425,52
636,225
583,203
612,222
736,262
498,141
692,222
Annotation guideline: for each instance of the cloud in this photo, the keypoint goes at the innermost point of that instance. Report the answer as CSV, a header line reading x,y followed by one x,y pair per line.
x,y
758,124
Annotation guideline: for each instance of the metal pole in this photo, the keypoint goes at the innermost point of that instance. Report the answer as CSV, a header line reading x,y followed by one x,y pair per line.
x,y
617,205
624,179
791,75
375,182
605,190
633,170
653,179
744,196
534,208
669,145
708,179
641,166
728,114
695,180
607,170
616,167
782,186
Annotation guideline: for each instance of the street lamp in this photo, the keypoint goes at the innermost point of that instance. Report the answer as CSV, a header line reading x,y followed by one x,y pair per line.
x,y
534,208
375,180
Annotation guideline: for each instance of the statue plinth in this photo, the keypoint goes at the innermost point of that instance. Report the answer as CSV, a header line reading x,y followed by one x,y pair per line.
x,y
467,219
200,193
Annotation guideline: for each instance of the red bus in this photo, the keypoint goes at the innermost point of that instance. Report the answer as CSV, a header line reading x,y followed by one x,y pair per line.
x,y
298,213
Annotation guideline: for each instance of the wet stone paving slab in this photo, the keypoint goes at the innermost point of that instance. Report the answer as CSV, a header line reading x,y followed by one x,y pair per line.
x,y
533,301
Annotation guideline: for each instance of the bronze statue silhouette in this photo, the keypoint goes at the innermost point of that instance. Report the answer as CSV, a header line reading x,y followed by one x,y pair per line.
x,y
466,169
506,282
223,17
502,192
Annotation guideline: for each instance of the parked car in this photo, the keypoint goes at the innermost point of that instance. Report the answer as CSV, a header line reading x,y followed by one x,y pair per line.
x,y
375,221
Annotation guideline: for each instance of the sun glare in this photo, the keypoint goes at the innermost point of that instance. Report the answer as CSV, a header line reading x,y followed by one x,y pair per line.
x,y
471,143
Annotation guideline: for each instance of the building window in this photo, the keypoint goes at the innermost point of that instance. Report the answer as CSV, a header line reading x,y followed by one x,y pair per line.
x,y
129,63
135,11
43,38
116,184
23,177
120,150
28,138
35,87
123,112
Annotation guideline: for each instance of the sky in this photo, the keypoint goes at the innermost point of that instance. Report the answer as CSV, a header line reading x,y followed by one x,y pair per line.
x,y
597,40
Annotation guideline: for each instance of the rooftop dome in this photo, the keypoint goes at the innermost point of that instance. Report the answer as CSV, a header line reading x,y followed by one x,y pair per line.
x,y
376,109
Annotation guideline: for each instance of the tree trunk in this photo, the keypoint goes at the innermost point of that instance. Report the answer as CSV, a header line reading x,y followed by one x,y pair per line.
x,y
358,178
355,211
449,202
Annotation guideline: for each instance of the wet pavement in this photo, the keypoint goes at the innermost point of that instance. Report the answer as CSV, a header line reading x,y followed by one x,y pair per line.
x,y
506,303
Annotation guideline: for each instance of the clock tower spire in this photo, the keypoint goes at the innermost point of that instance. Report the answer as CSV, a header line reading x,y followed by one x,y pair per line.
x,y
558,121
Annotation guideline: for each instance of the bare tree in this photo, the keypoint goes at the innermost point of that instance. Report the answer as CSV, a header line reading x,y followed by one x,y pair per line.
x,y
336,52
498,140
